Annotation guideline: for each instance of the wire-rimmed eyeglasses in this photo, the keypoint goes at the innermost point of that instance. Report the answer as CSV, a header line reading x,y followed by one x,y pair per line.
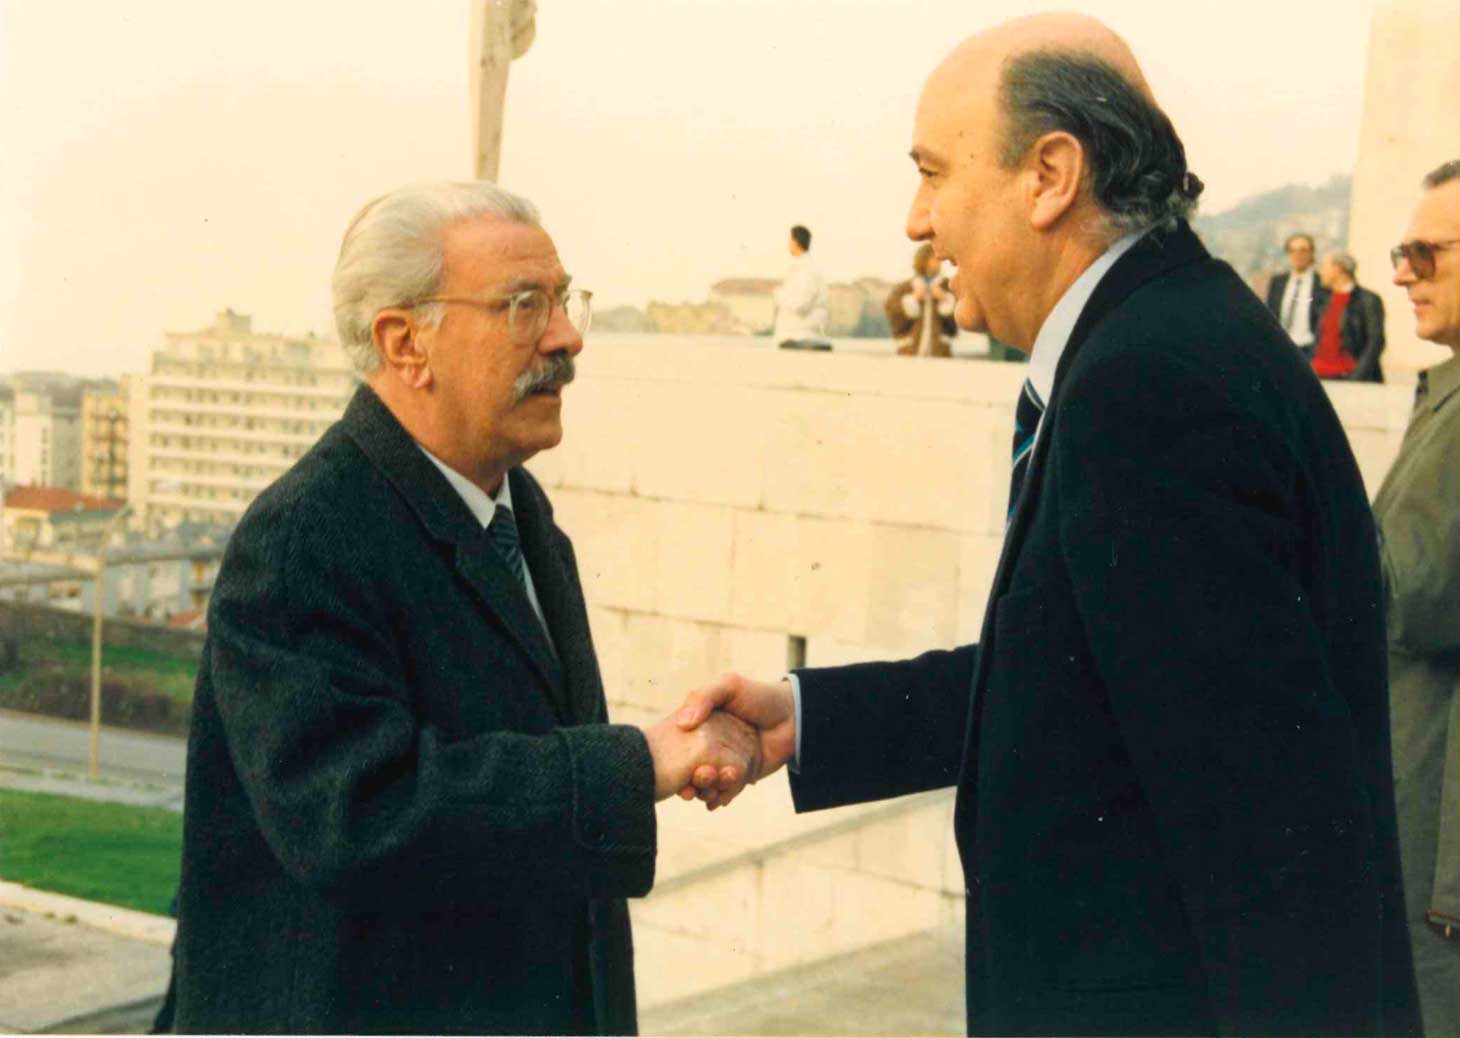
x,y
529,310
1420,254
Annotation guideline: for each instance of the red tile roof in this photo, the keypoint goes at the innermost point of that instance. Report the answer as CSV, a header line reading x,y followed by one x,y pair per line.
x,y
56,500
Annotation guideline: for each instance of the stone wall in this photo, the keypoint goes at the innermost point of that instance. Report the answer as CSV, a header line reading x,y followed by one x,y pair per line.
x,y
27,620
726,503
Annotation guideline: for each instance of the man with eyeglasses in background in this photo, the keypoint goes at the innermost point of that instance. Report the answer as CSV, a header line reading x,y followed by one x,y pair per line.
x,y
1418,512
406,811
1296,297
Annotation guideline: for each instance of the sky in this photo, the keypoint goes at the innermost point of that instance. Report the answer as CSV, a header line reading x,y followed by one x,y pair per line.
x,y
170,158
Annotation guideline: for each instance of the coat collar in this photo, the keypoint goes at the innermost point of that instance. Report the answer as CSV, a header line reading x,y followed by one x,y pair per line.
x,y
395,454
1156,254
446,517
1438,384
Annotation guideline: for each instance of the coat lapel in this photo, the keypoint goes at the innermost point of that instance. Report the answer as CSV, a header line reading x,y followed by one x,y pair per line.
x,y
1154,255
447,519
554,575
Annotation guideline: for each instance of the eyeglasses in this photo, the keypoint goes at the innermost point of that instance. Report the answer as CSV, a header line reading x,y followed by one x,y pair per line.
x,y
1420,254
529,311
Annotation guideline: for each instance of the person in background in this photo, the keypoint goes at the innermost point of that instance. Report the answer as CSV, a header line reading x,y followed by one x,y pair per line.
x,y
801,297
1418,511
920,309
1351,329
1295,297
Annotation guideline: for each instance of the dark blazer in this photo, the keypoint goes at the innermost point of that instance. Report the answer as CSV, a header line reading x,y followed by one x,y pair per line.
x,y
1362,334
1279,284
404,811
1175,807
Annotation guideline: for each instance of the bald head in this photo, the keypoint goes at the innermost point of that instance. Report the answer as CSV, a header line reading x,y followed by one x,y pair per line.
x,y
978,59
1050,119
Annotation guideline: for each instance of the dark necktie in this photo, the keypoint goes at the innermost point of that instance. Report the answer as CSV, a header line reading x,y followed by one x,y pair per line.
x,y
503,531
1026,421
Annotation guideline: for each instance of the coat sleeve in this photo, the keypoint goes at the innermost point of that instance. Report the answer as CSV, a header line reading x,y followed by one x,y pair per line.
x,y
876,730
1371,313
898,319
353,793
1422,552
1181,531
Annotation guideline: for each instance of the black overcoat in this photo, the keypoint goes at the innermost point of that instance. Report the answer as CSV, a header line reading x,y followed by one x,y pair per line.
x,y
405,811
1175,805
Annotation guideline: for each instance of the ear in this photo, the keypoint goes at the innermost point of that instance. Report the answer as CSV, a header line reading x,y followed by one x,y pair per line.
x,y
1056,168
402,354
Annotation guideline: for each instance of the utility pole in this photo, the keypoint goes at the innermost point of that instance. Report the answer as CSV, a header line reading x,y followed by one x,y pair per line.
x,y
501,31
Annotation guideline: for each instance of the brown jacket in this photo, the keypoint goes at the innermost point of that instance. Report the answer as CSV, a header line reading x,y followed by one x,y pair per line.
x,y
907,329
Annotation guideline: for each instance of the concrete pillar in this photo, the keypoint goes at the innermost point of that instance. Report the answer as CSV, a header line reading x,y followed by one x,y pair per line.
x,y
1411,124
501,30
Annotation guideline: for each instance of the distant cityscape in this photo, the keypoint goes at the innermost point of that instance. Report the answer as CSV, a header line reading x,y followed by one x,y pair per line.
x,y
159,465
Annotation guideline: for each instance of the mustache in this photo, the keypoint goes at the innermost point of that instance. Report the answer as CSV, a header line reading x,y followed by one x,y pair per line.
x,y
556,372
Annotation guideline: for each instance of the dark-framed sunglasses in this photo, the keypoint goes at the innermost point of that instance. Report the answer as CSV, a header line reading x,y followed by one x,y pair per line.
x,y
1420,254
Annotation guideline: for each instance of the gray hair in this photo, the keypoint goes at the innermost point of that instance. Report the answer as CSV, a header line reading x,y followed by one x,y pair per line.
x,y
391,254
1136,164
1443,174
1345,262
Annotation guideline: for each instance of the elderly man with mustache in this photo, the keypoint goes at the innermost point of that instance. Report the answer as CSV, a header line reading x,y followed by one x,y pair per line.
x,y
406,811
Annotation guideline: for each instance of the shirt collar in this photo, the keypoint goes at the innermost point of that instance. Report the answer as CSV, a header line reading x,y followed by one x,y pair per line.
x,y
482,505
1438,383
1054,334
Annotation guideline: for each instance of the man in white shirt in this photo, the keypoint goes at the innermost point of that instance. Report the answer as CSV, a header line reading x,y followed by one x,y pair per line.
x,y
801,297
1296,297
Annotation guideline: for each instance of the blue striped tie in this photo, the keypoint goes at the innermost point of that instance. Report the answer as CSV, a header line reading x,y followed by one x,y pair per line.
x,y
1026,422
503,531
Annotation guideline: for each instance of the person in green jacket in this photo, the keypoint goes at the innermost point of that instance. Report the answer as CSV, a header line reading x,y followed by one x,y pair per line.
x,y
1418,513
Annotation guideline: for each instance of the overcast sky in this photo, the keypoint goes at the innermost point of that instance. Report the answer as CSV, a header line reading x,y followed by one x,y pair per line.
x,y
169,158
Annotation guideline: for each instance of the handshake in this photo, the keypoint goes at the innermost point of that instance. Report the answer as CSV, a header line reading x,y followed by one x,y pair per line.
x,y
726,735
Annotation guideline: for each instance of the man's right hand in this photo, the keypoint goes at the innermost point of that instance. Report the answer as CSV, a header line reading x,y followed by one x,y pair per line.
x,y
767,706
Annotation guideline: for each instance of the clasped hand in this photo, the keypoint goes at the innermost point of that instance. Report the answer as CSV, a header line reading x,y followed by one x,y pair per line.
x,y
727,735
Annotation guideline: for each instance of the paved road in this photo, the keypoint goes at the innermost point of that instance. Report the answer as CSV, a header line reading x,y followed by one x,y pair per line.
x,y
57,974
43,743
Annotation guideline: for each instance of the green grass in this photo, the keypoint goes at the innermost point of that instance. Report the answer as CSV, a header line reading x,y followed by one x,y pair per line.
x,y
116,853
172,675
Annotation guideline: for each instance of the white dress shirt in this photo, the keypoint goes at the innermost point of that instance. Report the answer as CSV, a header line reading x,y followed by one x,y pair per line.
x,y
1044,360
1298,295
484,507
800,302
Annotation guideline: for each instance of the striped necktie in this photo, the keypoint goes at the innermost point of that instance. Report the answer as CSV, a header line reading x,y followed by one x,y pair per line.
x,y
1026,421
503,531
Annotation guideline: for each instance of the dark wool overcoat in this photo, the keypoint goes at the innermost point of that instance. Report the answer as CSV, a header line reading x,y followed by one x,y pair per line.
x,y
1171,745
405,809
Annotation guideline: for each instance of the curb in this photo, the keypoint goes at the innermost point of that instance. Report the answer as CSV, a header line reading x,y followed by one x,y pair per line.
x,y
123,922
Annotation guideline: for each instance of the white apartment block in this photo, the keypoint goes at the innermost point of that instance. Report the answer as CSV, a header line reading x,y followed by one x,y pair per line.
x,y
223,412
7,437
44,433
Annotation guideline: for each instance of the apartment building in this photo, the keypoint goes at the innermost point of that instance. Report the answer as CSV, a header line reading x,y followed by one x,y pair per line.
x,y
104,423
222,412
44,436
7,435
